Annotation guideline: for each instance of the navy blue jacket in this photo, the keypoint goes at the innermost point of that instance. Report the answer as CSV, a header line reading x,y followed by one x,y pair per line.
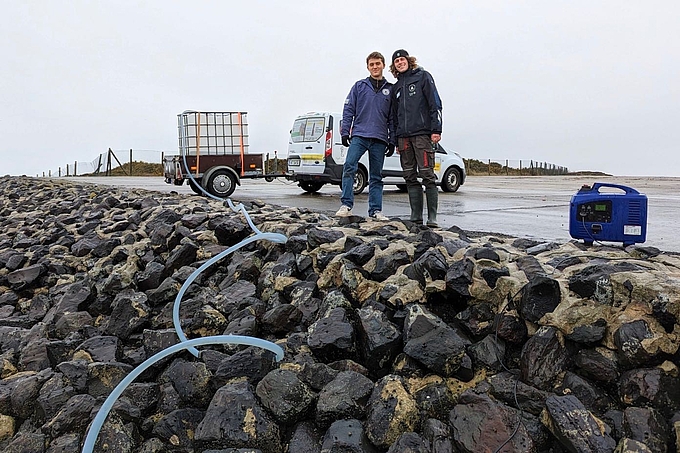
x,y
416,106
367,111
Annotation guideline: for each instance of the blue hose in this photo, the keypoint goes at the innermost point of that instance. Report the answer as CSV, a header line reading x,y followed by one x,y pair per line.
x,y
99,419
274,237
189,345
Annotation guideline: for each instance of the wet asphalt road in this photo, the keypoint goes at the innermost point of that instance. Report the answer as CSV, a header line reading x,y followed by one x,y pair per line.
x,y
531,207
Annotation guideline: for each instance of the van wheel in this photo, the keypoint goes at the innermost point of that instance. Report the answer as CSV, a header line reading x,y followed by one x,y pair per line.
x,y
221,184
360,181
451,181
311,187
402,187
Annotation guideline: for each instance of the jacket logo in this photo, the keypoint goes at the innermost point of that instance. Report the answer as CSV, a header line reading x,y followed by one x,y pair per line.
x,y
412,89
386,91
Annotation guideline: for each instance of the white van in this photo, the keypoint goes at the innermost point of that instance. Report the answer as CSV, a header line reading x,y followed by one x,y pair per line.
x,y
316,156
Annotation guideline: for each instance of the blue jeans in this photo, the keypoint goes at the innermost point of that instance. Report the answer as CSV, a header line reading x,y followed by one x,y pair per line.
x,y
376,157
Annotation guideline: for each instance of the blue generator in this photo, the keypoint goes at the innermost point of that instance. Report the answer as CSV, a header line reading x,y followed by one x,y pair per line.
x,y
616,217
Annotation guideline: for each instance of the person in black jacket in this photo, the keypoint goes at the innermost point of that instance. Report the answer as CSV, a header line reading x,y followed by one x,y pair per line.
x,y
417,116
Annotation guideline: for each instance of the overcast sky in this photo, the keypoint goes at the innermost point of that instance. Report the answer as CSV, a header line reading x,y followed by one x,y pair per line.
x,y
590,85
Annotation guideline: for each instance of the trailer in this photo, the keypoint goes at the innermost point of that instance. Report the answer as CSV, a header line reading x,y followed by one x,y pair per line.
x,y
213,153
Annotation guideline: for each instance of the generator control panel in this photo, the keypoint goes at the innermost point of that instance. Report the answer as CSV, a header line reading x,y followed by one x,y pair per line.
x,y
595,211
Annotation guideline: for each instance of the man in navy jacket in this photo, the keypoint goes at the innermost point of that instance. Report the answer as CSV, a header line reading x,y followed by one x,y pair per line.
x,y
417,115
366,127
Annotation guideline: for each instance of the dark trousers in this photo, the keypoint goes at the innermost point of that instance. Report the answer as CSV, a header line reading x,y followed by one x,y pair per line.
x,y
417,159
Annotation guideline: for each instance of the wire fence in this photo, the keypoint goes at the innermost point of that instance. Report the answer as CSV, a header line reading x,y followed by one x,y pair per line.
x,y
108,163
509,167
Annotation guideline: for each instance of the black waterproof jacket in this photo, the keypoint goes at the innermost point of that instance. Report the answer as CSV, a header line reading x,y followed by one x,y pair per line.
x,y
416,106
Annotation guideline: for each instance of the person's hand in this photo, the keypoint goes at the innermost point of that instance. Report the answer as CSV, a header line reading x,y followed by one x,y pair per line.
x,y
389,150
345,140
435,138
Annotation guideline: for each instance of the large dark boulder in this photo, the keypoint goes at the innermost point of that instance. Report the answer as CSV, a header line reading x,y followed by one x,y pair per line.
x,y
380,340
575,427
437,345
234,417
345,396
478,423
459,277
285,396
391,412
543,358
346,436
332,337
540,296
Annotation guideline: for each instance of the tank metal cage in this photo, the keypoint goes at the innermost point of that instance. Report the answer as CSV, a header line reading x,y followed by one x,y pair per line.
x,y
212,133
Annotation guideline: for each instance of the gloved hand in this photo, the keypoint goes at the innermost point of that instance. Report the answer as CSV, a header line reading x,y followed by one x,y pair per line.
x,y
389,150
345,140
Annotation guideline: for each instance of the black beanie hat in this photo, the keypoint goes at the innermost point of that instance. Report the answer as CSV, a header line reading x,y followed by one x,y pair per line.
x,y
399,53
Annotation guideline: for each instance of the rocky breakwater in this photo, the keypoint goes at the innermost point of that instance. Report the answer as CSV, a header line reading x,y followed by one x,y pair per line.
x,y
396,338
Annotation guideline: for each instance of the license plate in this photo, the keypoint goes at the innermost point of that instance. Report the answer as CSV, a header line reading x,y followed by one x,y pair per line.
x,y
293,162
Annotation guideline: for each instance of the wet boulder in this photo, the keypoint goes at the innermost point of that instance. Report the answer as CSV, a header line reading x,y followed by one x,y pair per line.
x,y
332,337
540,296
598,364
252,363
459,277
409,443
657,387
305,438
432,342
345,396
392,411
647,426
177,428
191,380
380,339
73,416
285,396
317,236
234,417
346,435
129,315
478,423
544,357
438,436
508,389
575,427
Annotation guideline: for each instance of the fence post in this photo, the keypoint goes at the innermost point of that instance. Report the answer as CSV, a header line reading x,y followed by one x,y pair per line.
x,y
520,167
130,161
506,168
75,168
489,167
59,172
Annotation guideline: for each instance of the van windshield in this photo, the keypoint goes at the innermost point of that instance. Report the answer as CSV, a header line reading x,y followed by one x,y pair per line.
x,y
307,129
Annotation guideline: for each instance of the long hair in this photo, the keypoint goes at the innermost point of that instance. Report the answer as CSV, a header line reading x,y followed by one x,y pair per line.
x,y
411,65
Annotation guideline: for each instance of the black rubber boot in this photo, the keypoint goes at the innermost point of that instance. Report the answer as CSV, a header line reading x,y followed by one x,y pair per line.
x,y
432,194
415,198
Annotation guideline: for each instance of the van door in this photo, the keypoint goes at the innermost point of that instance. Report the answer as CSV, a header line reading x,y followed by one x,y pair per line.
x,y
307,144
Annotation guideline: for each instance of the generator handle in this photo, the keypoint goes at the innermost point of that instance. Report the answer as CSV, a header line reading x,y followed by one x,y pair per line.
x,y
628,190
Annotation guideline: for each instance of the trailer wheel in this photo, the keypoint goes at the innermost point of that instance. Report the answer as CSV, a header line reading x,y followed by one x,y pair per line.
x,y
221,184
311,187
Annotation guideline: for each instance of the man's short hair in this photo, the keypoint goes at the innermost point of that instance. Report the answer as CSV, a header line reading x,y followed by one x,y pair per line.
x,y
375,56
